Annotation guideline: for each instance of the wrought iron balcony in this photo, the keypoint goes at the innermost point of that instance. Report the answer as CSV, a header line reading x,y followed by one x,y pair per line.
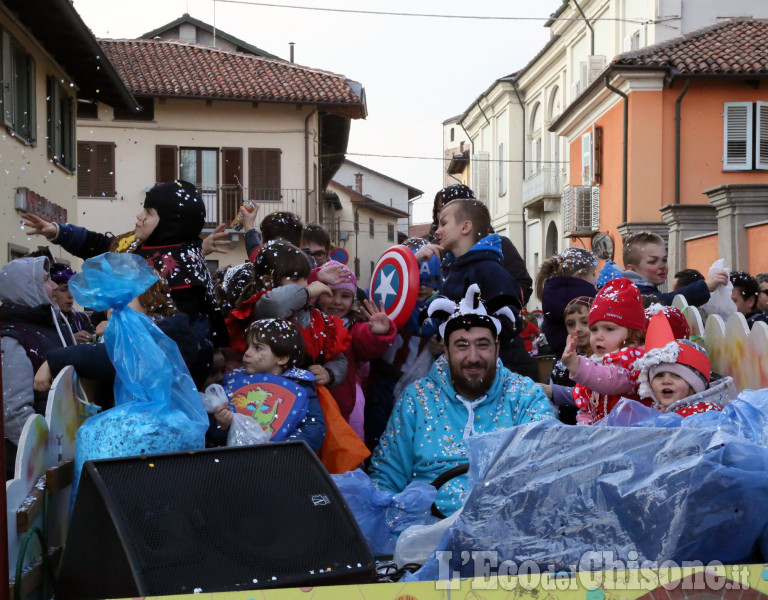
x,y
223,203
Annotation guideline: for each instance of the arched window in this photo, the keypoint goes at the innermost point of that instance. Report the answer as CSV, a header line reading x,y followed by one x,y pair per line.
x,y
534,137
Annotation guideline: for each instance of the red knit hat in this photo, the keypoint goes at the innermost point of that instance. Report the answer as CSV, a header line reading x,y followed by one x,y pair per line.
x,y
677,321
619,302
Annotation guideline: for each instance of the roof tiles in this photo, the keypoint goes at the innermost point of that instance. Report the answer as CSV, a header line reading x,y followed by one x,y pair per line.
x,y
182,69
731,48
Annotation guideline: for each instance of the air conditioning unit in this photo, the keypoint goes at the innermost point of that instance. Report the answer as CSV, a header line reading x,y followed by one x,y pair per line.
x,y
581,209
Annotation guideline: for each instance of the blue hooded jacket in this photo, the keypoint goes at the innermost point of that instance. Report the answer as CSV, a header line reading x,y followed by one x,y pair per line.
x,y
428,430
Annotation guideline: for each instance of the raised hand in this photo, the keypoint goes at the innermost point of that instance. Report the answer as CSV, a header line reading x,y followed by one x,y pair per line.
x,y
378,321
39,226
249,217
570,357
427,251
334,275
217,240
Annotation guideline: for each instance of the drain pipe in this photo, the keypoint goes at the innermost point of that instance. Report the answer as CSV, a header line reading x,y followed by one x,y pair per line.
x,y
522,111
589,25
624,150
678,118
306,170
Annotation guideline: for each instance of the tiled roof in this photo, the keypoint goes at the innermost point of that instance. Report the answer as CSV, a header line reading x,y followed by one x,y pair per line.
x,y
735,47
186,70
367,202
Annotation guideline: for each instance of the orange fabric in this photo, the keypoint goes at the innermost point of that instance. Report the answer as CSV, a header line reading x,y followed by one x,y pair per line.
x,y
342,449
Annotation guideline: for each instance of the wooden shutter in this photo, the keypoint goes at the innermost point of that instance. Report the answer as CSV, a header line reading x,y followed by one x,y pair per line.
x,y
737,136
264,174
165,163
232,169
32,105
9,104
104,175
761,144
84,169
51,90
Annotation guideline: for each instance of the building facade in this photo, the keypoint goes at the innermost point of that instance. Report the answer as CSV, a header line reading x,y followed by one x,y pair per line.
x,y
238,124
43,69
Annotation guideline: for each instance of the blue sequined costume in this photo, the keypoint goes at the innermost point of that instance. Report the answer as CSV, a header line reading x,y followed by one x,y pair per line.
x,y
427,431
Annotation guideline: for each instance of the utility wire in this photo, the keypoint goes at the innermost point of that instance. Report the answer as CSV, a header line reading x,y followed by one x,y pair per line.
x,y
430,15
444,159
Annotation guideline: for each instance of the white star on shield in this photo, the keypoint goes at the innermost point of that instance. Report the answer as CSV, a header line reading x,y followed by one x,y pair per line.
x,y
385,286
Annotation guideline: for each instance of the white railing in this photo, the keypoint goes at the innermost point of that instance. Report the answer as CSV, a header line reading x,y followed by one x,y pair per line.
x,y
545,182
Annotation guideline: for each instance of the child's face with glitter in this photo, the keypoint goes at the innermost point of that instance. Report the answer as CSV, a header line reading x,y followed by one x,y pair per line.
x,y
259,358
669,387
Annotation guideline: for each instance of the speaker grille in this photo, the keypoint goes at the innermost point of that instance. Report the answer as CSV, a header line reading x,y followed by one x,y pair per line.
x,y
234,518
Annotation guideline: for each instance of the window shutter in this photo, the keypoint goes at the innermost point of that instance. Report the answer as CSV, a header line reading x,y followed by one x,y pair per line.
x,y
51,90
105,170
9,104
165,163
761,145
84,170
586,158
480,175
737,136
264,173
32,104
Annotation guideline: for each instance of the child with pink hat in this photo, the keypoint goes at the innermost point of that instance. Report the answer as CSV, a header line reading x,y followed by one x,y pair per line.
x,y
372,334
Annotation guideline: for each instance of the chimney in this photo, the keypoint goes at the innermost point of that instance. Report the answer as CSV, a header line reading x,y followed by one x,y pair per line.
x,y
291,44
359,183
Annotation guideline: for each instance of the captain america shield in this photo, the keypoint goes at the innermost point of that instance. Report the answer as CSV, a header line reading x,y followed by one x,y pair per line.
x,y
395,283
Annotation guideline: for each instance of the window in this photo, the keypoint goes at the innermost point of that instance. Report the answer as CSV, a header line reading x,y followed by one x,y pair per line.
x,y
371,230
373,266
357,268
745,136
96,170
201,167
87,109
17,91
61,125
357,222
147,112
501,167
391,232
452,134
264,174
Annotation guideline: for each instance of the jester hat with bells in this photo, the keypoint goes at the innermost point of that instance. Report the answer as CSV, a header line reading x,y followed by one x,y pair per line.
x,y
665,353
469,312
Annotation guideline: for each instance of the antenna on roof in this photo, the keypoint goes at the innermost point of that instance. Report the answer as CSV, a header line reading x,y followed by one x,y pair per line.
x,y
214,23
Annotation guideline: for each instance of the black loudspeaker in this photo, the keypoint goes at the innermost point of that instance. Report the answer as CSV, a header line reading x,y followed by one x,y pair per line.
x,y
216,520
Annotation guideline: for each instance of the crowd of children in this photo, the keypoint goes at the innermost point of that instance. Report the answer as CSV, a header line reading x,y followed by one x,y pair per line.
x,y
292,313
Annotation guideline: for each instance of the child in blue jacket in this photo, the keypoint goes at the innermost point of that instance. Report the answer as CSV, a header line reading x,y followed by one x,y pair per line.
x,y
275,346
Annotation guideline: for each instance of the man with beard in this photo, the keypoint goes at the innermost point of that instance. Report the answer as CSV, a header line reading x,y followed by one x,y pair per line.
x,y
466,393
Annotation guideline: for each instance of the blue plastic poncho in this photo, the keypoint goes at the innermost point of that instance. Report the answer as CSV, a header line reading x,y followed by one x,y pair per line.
x,y
157,406
644,485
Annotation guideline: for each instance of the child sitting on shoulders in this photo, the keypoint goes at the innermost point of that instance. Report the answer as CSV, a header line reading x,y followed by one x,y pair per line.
x,y
676,374
274,346
617,327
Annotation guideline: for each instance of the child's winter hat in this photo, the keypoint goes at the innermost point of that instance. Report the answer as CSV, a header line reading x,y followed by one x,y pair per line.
x,y
61,273
619,302
350,284
664,353
181,210
609,271
675,318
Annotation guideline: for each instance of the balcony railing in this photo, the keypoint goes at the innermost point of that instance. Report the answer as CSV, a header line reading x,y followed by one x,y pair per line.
x,y
222,204
545,182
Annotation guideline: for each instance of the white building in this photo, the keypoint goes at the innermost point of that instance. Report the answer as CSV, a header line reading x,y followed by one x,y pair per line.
x,y
517,165
382,188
